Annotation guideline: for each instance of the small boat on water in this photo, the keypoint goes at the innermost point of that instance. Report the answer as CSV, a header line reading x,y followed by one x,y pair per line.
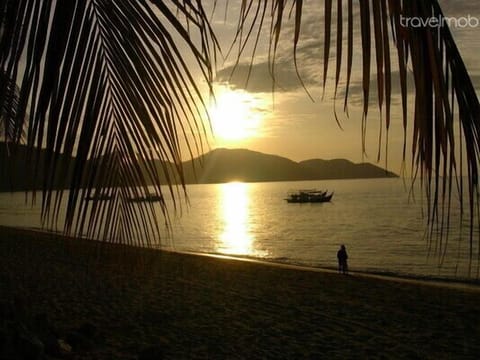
x,y
309,196
101,197
147,198
104,197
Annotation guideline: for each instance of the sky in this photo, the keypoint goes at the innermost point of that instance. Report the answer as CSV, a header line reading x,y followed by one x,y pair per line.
x,y
289,123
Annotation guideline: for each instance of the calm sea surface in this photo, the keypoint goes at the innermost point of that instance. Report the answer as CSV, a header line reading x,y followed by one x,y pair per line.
x,y
377,220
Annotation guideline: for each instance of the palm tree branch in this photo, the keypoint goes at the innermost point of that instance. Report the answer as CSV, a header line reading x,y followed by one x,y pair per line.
x,y
106,83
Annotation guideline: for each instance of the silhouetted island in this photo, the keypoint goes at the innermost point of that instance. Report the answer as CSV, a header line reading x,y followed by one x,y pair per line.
x,y
224,165
216,166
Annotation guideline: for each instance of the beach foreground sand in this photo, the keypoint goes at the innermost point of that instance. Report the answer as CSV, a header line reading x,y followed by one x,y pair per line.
x,y
111,302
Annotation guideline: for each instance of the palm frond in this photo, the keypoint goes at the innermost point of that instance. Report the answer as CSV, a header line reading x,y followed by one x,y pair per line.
x,y
444,93
105,81
11,127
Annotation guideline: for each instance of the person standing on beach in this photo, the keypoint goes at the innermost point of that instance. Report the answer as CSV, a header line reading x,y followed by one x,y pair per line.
x,y
342,260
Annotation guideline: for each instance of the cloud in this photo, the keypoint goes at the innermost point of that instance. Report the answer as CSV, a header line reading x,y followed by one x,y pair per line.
x,y
356,89
310,57
283,78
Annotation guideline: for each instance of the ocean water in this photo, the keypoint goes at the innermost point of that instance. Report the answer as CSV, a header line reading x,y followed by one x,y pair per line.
x,y
378,220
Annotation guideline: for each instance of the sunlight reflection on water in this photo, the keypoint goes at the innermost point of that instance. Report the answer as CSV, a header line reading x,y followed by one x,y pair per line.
x,y
236,234
234,208
382,228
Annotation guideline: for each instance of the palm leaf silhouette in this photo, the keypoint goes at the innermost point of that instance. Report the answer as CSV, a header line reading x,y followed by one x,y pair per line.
x,y
104,80
446,119
10,128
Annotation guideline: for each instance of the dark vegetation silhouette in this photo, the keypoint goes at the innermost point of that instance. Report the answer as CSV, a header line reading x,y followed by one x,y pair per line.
x,y
107,80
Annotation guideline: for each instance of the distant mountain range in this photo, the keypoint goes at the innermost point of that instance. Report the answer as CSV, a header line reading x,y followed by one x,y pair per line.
x,y
223,165
217,166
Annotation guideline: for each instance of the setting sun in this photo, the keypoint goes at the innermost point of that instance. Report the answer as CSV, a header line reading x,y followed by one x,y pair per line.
x,y
236,115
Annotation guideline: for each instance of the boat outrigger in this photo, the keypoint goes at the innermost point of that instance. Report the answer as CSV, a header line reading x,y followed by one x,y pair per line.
x,y
309,196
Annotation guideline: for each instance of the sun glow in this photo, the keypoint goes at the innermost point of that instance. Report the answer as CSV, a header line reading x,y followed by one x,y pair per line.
x,y
236,115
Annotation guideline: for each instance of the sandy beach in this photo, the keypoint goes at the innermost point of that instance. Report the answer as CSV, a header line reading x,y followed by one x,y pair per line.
x,y
113,302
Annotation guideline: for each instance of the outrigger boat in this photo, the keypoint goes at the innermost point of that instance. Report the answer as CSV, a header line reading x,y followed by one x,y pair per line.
x,y
147,198
309,196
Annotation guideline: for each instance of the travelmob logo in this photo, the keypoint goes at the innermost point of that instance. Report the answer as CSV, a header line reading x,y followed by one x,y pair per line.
x,y
439,22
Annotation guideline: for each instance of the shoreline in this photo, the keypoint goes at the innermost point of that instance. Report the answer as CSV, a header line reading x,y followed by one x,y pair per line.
x,y
453,283
470,284
138,301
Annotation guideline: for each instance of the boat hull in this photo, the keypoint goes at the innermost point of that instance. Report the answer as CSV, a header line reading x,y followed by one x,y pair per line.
x,y
301,198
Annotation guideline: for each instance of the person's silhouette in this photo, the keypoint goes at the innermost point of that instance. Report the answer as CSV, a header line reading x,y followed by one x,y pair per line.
x,y
342,260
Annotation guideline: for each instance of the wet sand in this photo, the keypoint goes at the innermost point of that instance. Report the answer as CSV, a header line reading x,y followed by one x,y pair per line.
x,y
182,306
